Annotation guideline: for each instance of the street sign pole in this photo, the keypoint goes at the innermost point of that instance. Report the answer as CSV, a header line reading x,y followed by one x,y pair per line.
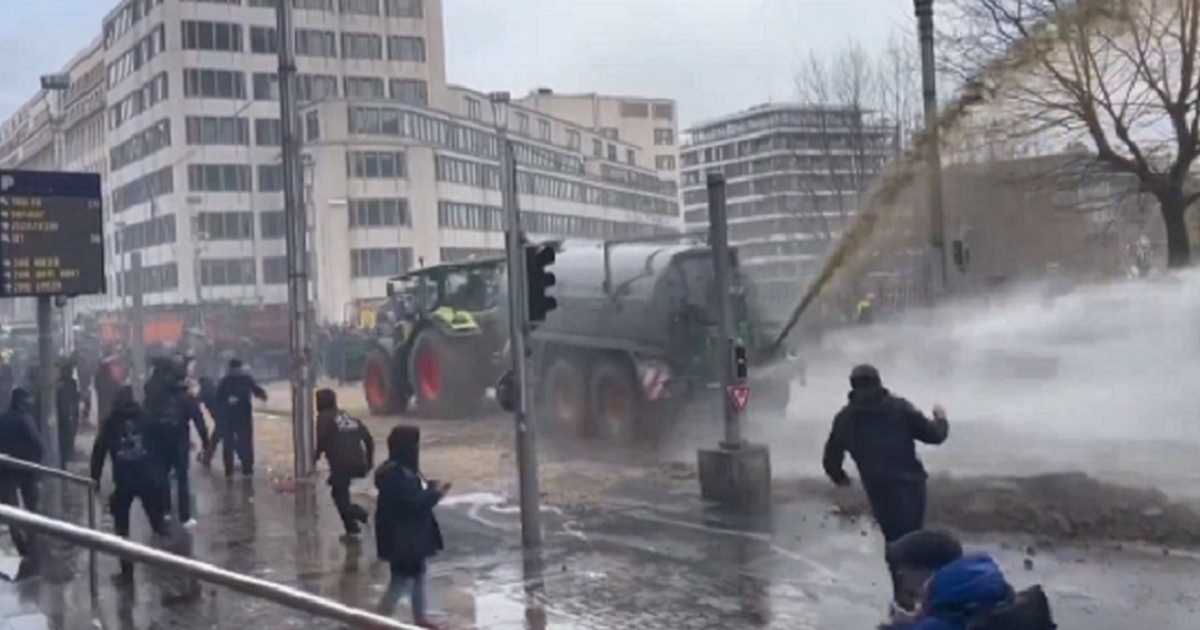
x,y
718,242
48,419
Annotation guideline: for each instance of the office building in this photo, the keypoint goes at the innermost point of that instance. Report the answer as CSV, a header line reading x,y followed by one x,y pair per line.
x,y
794,175
393,159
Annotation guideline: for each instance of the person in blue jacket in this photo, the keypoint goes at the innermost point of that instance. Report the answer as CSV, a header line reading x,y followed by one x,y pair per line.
x,y
961,592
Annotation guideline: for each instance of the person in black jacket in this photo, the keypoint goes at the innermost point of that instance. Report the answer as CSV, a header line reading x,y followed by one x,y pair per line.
x,y
234,396
20,439
134,442
169,402
879,431
350,450
66,409
407,533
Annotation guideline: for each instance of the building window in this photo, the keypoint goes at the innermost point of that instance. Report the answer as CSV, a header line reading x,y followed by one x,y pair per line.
x,y
310,43
270,177
379,262
266,86
210,130
225,226
362,46
664,111
272,225
368,213
142,145
363,87
359,7
664,137
313,5
316,87
597,148
268,132
544,130
312,126
264,40
631,109
156,231
665,162
401,48
409,91
474,109
612,133
210,83
154,279
225,272
218,178
215,36
375,164
573,139
404,8
523,123
612,153
275,270
631,156
143,189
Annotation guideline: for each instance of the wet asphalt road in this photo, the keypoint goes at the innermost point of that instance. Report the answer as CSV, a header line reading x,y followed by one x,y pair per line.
x,y
646,560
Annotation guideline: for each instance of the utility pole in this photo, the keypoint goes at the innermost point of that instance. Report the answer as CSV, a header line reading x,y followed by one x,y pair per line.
x,y
527,465
938,273
297,247
719,243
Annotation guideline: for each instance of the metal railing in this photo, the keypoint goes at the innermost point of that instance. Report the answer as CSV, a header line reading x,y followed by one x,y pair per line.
x,y
86,482
286,596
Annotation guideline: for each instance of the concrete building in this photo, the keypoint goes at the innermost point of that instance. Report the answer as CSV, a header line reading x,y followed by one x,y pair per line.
x,y
649,123
400,167
794,174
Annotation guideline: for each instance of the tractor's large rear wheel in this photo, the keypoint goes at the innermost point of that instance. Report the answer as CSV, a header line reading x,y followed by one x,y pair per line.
x,y
380,385
445,375
565,398
617,404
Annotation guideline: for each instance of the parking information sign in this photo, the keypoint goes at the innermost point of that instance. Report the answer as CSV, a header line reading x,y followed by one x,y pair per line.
x,y
51,234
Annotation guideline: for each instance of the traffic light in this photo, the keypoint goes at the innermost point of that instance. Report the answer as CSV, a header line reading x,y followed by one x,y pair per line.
x,y
740,365
538,258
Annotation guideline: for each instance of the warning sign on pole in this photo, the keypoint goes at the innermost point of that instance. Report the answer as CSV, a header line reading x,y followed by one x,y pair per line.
x,y
739,395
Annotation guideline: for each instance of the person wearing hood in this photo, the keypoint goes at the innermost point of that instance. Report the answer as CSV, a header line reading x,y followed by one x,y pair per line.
x,y
350,450
956,591
234,397
66,408
169,402
879,431
20,439
108,378
407,533
135,443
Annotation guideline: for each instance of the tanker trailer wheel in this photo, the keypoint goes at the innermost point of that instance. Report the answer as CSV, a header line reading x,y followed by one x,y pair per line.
x,y
379,386
565,397
443,372
616,402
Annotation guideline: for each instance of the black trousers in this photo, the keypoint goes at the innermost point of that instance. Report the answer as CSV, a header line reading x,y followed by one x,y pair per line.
x,y
68,428
899,508
176,458
20,489
238,440
352,515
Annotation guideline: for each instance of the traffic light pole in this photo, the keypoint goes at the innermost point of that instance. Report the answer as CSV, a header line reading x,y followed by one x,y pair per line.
x,y
527,465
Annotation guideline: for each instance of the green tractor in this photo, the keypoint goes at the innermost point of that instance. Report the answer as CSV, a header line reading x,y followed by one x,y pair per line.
x,y
447,336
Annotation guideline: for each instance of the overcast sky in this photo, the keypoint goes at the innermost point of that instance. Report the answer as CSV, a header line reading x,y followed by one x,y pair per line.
x,y
713,56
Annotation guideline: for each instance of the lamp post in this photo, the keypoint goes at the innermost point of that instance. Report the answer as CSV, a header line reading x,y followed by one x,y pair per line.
x,y
937,270
527,469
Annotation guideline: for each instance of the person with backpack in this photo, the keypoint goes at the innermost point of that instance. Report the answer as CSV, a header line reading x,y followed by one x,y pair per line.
x,y
350,450
169,402
407,533
134,442
960,592
234,395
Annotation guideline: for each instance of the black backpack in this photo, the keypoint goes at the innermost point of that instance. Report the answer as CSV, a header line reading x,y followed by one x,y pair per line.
x,y
1028,610
351,452
131,441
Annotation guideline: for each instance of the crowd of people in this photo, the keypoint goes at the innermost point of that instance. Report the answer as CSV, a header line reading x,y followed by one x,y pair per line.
x,y
147,439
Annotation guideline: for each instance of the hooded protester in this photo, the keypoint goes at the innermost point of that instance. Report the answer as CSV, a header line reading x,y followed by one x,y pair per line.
x,y
961,592
135,443
350,450
20,439
169,402
109,377
234,398
407,533
66,408
879,431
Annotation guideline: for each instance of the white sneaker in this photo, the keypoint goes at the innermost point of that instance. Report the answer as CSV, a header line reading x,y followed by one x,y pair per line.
x,y
190,523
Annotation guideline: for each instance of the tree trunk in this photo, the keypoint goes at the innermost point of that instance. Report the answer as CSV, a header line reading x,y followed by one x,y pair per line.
x,y
1179,248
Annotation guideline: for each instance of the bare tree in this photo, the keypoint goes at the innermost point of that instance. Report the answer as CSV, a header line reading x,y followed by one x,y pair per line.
x,y
1121,74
